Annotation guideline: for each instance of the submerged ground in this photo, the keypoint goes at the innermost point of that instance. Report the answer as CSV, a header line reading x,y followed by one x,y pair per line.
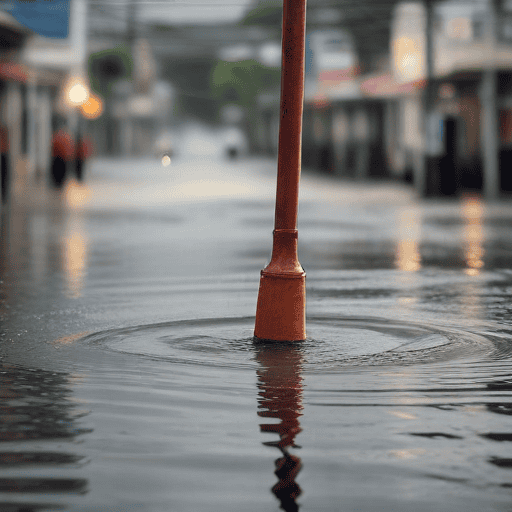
x,y
130,380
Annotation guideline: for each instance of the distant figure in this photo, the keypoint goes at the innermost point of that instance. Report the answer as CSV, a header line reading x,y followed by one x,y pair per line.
x,y
232,152
235,142
84,150
63,153
4,162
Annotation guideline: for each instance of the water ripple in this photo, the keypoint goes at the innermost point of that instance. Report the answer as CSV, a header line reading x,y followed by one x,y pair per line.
x,y
334,344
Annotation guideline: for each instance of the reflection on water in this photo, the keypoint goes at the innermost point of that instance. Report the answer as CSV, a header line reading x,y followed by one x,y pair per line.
x,y
473,238
74,257
35,406
408,402
280,397
408,256
77,196
473,234
74,239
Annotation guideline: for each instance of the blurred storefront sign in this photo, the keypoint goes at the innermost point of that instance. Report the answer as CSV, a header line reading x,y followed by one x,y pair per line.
x,y
331,51
49,19
66,20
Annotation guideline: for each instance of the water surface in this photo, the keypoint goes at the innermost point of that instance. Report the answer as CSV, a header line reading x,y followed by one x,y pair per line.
x,y
130,379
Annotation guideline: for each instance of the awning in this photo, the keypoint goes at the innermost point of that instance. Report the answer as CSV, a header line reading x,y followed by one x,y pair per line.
x,y
385,86
11,71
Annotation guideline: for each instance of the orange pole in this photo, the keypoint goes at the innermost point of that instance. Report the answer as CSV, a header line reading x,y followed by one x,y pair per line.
x,y
281,308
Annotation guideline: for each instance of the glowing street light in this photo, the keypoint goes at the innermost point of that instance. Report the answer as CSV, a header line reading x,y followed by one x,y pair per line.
x,y
76,92
92,108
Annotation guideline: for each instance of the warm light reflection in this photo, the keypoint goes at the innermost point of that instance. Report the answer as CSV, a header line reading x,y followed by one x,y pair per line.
x,y
69,340
402,414
75,252
473,235
407,301
408,453
166,160
77,196
74,257
407,257
403,381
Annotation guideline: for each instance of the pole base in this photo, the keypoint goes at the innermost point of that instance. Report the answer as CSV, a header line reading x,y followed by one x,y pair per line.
x,y
281,309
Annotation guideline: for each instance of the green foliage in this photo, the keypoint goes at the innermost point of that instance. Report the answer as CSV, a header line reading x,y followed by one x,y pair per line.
x,y
268,13
240,82
107,67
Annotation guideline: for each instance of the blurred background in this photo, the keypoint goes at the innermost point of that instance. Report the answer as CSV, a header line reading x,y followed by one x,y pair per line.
x,y
418,92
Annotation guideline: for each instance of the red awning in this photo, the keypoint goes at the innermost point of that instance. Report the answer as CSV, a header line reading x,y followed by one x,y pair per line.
x,y
12,71
385,86
338,75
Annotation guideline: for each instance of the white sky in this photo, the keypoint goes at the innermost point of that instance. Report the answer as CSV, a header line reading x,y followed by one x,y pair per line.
x,y
192,11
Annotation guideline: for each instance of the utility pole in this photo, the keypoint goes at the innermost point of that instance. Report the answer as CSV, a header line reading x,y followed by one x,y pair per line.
x,y
489,120
126,129
427,180
281,309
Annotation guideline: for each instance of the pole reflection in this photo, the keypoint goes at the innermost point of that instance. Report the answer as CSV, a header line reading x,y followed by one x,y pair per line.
x,y
280,397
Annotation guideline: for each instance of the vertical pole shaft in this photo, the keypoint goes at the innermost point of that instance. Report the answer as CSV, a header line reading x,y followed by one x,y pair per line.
x,y
281,310
489,112
290,127
427,179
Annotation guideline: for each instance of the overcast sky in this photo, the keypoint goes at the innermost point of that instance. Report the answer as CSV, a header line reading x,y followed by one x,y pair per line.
x,y
192,11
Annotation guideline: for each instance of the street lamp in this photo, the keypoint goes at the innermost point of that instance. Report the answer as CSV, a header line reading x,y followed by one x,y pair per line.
x,y
93,107
76,91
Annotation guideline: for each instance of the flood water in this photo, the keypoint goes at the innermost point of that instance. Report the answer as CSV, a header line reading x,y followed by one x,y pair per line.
x,y
130,379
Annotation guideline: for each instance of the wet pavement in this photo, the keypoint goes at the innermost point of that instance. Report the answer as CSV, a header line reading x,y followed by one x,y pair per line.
x,y
130,380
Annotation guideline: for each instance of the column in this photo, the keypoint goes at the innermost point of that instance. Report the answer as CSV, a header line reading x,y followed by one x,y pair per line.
x,y
489,115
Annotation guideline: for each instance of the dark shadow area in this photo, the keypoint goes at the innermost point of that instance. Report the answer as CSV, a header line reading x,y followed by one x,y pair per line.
x,y
35,406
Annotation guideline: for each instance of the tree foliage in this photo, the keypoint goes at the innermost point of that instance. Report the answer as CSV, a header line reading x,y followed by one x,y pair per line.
x,y
107,67
240,82
267,13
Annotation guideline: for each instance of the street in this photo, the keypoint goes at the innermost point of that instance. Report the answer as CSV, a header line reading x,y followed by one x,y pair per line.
x,y
127,307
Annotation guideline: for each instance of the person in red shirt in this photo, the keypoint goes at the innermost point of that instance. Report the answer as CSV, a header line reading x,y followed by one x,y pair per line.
x,y
63,153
